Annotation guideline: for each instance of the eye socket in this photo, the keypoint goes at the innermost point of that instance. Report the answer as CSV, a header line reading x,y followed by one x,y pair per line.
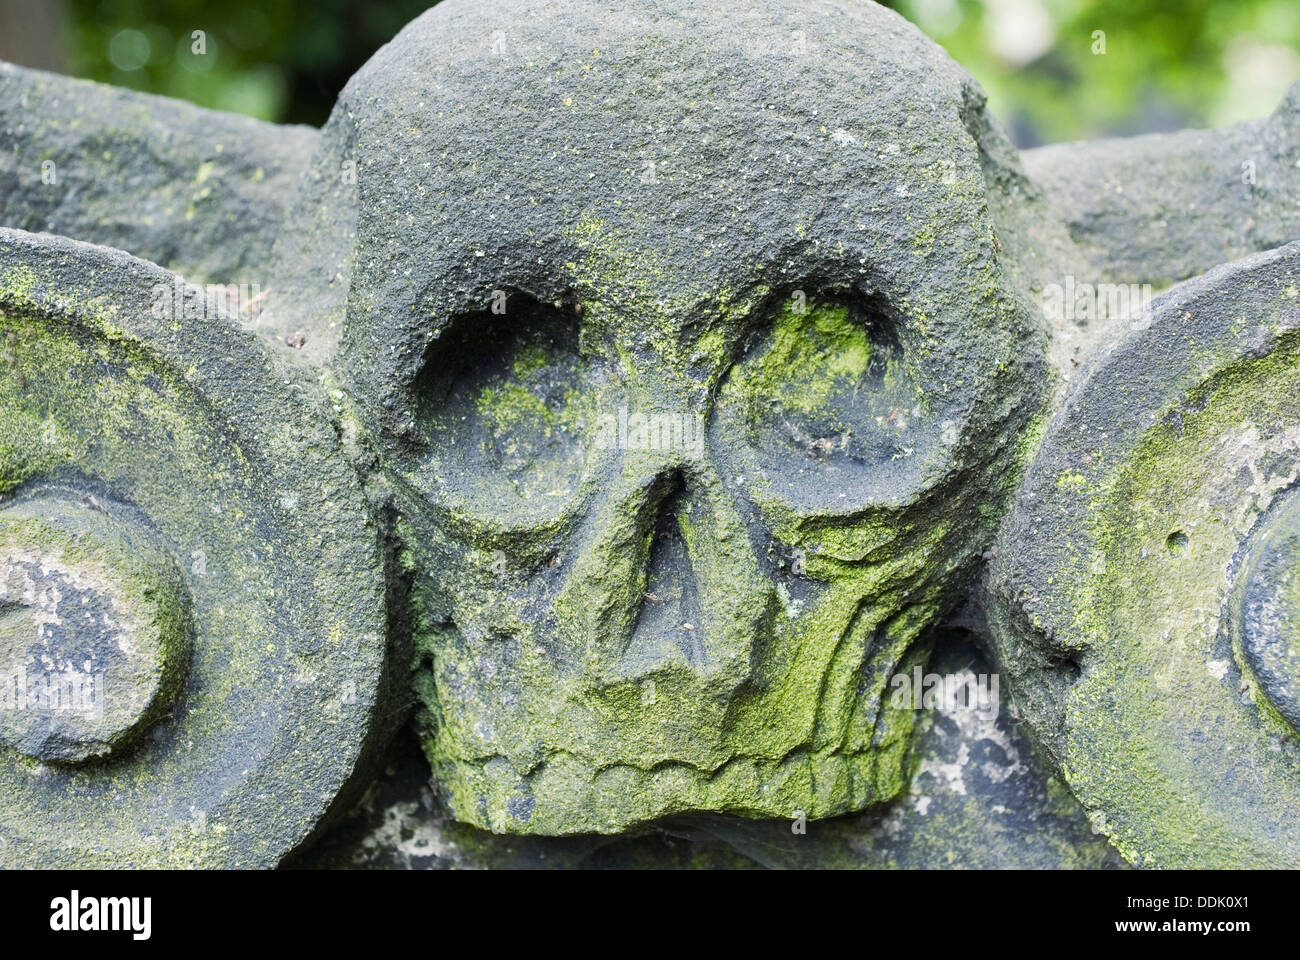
x,y
503,406
822,400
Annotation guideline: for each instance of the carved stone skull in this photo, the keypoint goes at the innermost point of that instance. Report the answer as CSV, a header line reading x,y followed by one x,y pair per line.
x,y
698,374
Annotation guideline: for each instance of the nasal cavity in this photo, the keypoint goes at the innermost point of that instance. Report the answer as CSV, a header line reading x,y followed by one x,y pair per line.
x,y
668,624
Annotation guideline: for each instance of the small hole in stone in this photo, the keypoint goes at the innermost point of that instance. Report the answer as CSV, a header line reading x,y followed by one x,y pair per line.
x,y
1176,543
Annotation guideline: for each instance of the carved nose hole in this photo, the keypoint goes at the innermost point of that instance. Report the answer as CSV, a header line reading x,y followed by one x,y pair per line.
x,y
668,624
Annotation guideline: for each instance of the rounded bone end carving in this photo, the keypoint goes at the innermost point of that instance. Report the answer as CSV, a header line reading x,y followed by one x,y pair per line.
x,y
1270,614
94,631
176,516
1143,596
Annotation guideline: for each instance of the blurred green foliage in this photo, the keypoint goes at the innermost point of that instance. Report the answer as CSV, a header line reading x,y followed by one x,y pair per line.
x,y
282,60
1166,63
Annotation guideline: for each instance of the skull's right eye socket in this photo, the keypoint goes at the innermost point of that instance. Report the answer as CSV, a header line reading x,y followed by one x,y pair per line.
x,y
504,407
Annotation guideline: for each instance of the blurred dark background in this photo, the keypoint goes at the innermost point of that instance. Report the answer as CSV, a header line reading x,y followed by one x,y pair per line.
x,y
1167,63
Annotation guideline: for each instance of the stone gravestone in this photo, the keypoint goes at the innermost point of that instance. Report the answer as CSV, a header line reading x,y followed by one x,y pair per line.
x,y
637,395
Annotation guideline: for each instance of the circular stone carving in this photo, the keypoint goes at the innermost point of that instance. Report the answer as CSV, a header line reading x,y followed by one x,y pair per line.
x,y
1143,597
151,455
1270,613
94,630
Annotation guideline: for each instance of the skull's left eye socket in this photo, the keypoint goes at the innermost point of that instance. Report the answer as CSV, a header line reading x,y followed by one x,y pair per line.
x,y
505,406
822,407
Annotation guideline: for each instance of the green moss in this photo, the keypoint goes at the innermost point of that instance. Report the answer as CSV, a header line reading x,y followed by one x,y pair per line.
x,y
541,713
514,408
813,354
1071,480
530,359
116,413
1160,739
810,734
